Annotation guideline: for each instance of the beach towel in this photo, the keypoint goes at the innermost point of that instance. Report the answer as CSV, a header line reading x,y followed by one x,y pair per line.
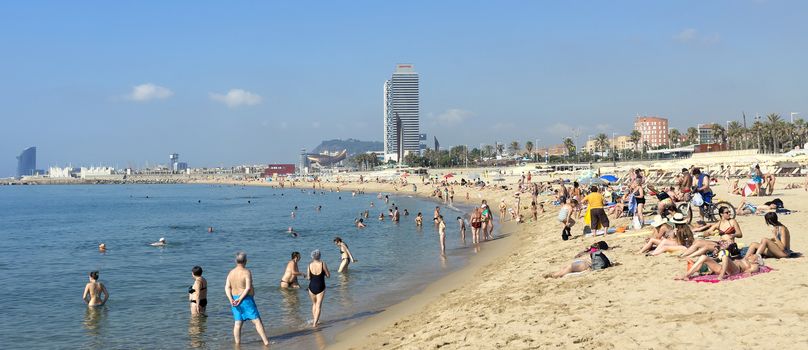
x,y
715,279
632,205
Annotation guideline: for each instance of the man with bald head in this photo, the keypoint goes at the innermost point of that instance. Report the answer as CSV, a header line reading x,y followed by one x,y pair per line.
x,y
239,290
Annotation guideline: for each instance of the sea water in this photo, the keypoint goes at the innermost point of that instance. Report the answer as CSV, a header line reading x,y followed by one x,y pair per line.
x,y
50,235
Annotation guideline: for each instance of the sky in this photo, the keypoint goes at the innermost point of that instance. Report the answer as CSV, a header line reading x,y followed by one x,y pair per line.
x,y
252,82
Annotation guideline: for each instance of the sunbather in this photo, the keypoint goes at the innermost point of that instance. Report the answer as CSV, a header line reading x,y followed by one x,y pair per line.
x,y
727,267
727,229
681,239
779,246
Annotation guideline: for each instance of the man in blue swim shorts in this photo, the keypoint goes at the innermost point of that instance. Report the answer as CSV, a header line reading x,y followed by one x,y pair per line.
x,y
240,292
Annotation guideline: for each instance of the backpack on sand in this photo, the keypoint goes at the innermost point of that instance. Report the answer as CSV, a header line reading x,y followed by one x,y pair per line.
x,y
599,260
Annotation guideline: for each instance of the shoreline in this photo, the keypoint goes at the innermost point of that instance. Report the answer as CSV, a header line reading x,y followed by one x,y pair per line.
x,y
508,236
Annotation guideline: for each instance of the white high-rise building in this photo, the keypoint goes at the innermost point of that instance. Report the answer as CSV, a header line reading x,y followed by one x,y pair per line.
x,y
401,99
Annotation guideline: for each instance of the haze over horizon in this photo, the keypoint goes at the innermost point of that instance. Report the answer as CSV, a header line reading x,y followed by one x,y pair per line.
x,y
232,83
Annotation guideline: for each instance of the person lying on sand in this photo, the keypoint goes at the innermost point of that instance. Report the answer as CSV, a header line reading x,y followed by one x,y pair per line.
x,y
727,267
581,262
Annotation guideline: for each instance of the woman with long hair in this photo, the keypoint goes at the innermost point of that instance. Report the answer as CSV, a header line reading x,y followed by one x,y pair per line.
x,y
778,246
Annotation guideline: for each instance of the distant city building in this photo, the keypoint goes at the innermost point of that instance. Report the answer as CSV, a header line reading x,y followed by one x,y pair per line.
x,y
622,143
401,107
173,160
91,172
66,172
26,162
279,170
706,134
654,131
553,151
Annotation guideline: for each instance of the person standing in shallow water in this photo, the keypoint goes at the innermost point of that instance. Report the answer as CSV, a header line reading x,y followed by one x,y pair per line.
x,y
345,255
239,290
198,293
442,235
93,291
316,273
289,279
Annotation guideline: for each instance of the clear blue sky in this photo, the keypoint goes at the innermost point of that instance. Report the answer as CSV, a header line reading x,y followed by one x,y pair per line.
x,y
301,72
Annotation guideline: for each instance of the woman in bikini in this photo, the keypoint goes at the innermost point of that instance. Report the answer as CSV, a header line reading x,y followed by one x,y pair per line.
x,y
316,274
681,239
93,291
727,228
779,246
750,264
345,255
198,292
476,223
639,197
289,279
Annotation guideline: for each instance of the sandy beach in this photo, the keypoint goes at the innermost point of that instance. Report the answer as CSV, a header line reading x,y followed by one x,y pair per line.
x,y
501,299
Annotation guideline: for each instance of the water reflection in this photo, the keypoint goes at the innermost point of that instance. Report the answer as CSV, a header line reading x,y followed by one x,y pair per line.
x,y
343,290
197,326
94,318
291,307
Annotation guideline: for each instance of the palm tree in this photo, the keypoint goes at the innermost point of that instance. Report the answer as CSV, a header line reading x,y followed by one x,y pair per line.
x,y
489,150
529,148
673,137
800,131
692,136
500,148
774,126
735,133
515,147
570,146
601,142
719,134
635,137
757,131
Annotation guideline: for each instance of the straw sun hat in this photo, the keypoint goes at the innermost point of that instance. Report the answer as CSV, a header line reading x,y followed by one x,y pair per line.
x,y
678,218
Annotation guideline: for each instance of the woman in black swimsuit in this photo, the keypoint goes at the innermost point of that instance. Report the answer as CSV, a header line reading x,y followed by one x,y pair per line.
x,y
639,197
198,292
316,273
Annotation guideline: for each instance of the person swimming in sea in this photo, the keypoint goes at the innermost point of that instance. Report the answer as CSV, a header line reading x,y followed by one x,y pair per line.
x,y
102,248
93,291
291,232
289,279
160,243
381,216
360,223
419,219
198,293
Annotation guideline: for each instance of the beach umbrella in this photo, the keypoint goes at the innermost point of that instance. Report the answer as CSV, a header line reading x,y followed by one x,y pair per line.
x,y
405,174
589,181
448,175
609,178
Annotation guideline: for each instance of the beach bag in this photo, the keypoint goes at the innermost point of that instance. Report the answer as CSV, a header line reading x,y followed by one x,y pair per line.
x,y
599,260
697,200
635,223
565,233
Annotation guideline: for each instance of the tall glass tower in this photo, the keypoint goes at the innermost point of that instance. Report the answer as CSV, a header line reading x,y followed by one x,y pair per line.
x,y
401,109
26,162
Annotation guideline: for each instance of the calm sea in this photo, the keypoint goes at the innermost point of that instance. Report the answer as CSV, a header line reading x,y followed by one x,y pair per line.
x,y
49,243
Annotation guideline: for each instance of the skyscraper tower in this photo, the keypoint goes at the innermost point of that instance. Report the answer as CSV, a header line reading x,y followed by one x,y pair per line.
x,y
26,162
401,109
